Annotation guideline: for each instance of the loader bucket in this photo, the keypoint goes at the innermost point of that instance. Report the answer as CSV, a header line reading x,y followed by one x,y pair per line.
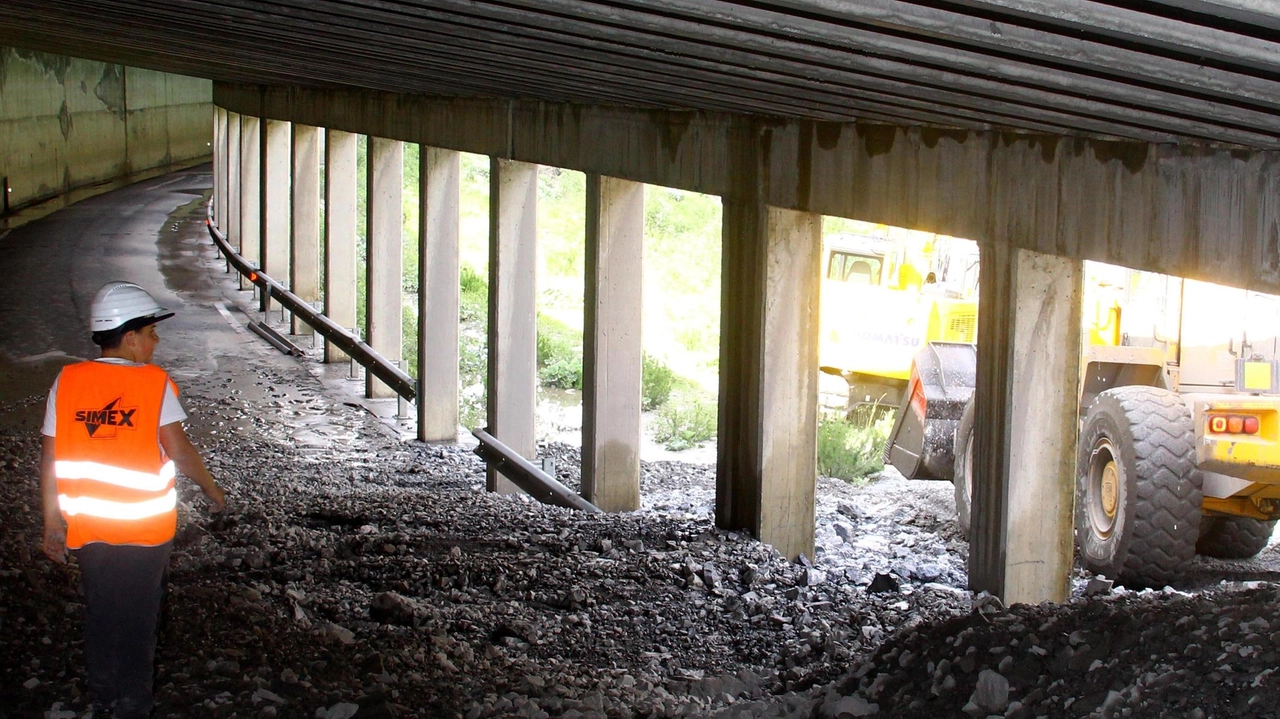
x,y
922,442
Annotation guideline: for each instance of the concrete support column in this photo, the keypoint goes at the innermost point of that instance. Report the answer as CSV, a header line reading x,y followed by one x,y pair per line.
x,y
304,265
440,174
1025,419
220,167
250,192
766,468
340,176
384,260
611,353
232,229
513,327
277,166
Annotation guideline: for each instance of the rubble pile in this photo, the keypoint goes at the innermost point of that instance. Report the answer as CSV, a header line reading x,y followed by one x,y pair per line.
x,y
371,577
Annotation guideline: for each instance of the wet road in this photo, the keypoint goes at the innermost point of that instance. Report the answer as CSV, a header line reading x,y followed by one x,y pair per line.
x,y
153,233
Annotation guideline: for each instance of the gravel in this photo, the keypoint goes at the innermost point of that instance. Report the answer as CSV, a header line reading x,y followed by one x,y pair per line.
x,y
359,575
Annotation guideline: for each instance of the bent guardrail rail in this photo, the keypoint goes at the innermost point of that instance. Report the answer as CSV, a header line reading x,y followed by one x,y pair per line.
x,y
379,366
522,473
536,483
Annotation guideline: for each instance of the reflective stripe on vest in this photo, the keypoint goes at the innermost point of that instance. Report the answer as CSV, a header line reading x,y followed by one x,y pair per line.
x,y
127,478
106,509
115,484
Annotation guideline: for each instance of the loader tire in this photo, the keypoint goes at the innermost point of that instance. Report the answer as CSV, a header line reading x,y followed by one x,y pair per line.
x,y
963,476
1233,537
1137,486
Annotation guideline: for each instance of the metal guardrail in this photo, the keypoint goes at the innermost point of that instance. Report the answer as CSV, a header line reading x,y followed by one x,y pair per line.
x,y
379,366
538,484
525,475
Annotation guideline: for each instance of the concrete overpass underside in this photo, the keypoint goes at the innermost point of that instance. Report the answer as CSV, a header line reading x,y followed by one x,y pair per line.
x,y
1143,134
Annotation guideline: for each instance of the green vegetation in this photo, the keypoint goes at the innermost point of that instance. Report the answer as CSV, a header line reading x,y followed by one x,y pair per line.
x,y
852,448
559,354
686,421
656,382
473,353
681,289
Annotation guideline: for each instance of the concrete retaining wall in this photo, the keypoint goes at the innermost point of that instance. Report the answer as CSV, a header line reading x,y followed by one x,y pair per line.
x,y
66,123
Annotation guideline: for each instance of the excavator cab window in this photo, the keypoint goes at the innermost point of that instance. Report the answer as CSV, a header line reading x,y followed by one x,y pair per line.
x,y
855,269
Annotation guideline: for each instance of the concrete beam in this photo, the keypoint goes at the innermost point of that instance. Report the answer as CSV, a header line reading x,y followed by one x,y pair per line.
x,y
1202,211
304,265
232,228
1021,537
340,217
440,175
611,353
250,193
513,296
277,167
384,258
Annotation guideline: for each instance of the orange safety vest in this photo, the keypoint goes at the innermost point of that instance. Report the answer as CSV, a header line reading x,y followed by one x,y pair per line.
x,y
115,483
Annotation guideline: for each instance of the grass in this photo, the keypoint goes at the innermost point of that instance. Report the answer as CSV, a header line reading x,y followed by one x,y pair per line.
x,y
685,421
559,354
852,448
473,352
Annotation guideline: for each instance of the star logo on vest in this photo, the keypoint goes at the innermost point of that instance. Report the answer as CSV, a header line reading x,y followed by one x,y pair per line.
x,y
103,423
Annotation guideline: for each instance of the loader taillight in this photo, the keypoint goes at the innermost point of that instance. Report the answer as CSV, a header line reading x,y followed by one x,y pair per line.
x,y
1233,424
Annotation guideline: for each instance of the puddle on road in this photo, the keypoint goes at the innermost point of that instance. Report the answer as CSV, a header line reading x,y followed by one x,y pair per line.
x,y
24,387
180,243
269,403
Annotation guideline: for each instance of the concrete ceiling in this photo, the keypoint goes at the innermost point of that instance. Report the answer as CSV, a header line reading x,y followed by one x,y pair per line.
x,y
1155,70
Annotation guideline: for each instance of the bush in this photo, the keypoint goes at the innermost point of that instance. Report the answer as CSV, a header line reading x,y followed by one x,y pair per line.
x,y
474,296
685,421
473,348
559,354
852,449
656,382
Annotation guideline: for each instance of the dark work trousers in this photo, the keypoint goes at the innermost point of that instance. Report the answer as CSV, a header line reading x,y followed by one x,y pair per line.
x,y
123,587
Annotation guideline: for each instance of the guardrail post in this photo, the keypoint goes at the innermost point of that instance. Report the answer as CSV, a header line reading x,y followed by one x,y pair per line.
x,y
403,410
253,286
318,306
355,366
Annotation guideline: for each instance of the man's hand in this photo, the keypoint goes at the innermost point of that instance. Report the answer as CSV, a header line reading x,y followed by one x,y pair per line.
x,y
217,498
55,542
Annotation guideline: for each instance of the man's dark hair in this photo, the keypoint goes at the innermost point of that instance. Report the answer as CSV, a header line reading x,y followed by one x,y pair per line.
x,y
111,339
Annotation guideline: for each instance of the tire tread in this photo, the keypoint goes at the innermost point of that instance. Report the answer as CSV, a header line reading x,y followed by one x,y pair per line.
x,y
1165,521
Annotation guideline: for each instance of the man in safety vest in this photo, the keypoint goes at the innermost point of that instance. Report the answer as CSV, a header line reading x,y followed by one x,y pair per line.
x,y
113,438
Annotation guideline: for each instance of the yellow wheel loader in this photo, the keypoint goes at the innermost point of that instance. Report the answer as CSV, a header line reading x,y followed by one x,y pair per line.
x,y
1179,445
884,297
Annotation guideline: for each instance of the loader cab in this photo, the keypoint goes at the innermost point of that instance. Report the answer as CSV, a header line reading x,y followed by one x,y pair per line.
x,y
857,260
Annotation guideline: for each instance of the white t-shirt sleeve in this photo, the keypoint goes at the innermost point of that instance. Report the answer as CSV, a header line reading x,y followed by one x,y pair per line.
x,y
171,411
50,428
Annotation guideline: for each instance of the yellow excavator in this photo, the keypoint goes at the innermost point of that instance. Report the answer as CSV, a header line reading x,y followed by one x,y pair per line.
x,y
885,295
1179,445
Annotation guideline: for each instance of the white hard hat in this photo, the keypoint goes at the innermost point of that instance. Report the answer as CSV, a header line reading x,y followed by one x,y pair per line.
x,y
118,302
